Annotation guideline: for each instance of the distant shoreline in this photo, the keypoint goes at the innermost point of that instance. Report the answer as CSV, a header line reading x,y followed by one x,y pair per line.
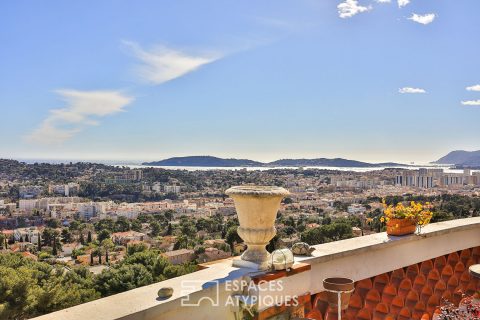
x,y
210,161
447,169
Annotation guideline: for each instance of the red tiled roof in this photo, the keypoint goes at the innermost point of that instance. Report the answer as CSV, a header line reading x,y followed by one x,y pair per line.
x,y
414,292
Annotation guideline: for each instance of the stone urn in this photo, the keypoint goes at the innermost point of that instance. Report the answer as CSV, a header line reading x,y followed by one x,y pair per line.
x,y
257,208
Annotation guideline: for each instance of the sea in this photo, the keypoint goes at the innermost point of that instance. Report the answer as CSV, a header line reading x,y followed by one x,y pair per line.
x,y
137,165
446,169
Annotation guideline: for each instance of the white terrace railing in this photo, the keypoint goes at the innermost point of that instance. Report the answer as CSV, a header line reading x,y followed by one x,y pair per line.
x,y
213,292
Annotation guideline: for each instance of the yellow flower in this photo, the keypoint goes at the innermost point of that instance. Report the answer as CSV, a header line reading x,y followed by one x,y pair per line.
x,y
416,212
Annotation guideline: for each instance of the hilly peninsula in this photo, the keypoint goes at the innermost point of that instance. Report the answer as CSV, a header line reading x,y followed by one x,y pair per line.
x,y
209,161
461,158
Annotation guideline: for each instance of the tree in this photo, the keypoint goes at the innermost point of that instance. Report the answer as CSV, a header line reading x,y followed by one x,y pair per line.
x,y
53,223
272,245
29,288
66,236
82,239
54,249
122,278
104,234
89,237
169,229
2,240
155,228
187,228
122,224
105,224
48,235
137,247
74,225
169,214
287,200
39,242
136,225
107,245
327,233
183,242
232,236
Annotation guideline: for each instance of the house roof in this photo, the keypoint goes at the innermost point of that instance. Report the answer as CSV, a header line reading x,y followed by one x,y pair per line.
x,y
178,252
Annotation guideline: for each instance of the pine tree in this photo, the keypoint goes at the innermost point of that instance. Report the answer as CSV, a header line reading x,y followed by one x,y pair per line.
x,y
39,243
89,237
99,257
82,239
26,238
91,259
106,257
54,251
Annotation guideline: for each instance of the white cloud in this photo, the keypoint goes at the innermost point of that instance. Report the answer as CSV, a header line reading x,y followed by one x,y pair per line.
x,y
423,19
471,103
411,90
83,108
163,64
349,8
403,3
383,1
473,88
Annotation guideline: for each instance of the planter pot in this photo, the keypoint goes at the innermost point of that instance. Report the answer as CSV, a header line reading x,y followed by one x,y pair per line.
x,y
335,285
257,208
400,227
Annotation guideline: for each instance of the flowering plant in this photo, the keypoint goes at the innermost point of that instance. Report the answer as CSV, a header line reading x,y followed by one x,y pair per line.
x,y
469,309
416,212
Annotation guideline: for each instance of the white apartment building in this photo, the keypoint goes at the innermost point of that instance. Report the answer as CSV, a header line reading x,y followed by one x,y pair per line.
x,y
172,189
29,192
356,209
27,205
26,234
91,209
7,206
67,190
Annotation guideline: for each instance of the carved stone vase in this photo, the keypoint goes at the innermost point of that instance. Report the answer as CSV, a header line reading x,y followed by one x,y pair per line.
x,y
257,208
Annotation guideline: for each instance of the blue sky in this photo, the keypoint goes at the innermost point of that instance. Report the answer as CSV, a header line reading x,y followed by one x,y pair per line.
x,y
367,80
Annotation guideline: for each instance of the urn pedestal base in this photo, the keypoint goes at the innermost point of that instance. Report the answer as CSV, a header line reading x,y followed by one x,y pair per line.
x,y
240,263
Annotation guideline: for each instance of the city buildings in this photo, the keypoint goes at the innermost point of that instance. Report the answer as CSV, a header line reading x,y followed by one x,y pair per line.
x,y
435,178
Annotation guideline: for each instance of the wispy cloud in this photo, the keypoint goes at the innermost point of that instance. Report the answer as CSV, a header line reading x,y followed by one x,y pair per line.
x,y
411,90
162,64
349,8
403,3
473,88
383,1
471,103
83,108
423,19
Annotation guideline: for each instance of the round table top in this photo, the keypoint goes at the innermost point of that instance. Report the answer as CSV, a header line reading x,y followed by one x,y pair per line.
x,y
475,270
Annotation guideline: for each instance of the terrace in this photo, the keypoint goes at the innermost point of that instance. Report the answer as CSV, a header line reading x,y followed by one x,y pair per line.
x,y
401,276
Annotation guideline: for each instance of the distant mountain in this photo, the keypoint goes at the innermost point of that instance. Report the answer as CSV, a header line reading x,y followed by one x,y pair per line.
x,y
461,157
204,161
337,162
208,161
